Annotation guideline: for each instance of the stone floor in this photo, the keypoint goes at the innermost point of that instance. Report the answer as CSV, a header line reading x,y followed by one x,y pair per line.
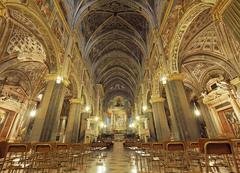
x,y
116,161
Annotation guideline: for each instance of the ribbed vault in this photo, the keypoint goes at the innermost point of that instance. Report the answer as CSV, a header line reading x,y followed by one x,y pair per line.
x,y
114,39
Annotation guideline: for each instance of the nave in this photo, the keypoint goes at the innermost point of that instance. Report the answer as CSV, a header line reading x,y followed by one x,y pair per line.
x,y
203,156
80,76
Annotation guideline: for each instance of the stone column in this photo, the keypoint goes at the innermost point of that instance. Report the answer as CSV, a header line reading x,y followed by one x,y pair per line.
x,y
62,128
73,125
151,125
48,115
207,117
160,119
184,124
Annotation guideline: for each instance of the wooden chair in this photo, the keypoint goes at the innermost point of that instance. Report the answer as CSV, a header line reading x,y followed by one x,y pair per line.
x,y
219,154
176,157
61,152
236,149
195,156
144,156
158,156
44,158
76,156
16,158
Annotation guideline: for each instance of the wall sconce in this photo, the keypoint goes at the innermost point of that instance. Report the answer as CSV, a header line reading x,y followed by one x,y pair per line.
x,y
137,118
164,80
101,125
33,113
40,96
96,118
196,110
144,108
59,79
132,125
87,108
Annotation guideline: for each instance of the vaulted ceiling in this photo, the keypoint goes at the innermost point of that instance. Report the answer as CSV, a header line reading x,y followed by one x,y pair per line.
x,y
114,40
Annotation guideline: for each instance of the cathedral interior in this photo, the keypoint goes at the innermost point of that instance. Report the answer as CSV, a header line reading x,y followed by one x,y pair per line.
x,y
120,86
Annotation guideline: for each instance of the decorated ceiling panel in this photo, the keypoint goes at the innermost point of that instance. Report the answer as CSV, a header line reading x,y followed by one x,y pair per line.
x,y
115,36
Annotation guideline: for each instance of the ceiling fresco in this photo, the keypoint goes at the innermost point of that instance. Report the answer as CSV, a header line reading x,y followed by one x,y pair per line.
x,y
115,36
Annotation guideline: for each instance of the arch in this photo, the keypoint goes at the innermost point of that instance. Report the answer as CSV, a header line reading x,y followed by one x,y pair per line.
x,y
97,39
48,44
75,85
213,59
83,11
182,27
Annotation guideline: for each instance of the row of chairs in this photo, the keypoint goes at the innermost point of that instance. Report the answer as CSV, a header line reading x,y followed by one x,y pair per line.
x,y
46,157
205,155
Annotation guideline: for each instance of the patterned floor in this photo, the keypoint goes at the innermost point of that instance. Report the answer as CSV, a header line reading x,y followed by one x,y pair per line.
x,y
117,161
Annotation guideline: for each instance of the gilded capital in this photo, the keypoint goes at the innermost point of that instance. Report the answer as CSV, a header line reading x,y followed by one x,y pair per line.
x,y
156,99
55,77
176,76
75,101
3,11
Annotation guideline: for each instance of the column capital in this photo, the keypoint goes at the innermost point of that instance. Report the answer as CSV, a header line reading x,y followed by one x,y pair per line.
x,y
235,81
75,101
54,77
156,99
63,117
176,76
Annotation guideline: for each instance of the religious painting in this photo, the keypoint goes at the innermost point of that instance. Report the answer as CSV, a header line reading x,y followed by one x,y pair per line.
x,y
7,118
228,121
233,122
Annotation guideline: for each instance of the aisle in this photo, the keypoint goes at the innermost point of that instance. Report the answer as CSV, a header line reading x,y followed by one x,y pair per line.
x,y
117,161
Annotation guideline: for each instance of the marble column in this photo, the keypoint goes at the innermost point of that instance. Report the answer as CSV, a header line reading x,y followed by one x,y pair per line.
x,y
48,115
74,118
160,119
207,117
183,122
